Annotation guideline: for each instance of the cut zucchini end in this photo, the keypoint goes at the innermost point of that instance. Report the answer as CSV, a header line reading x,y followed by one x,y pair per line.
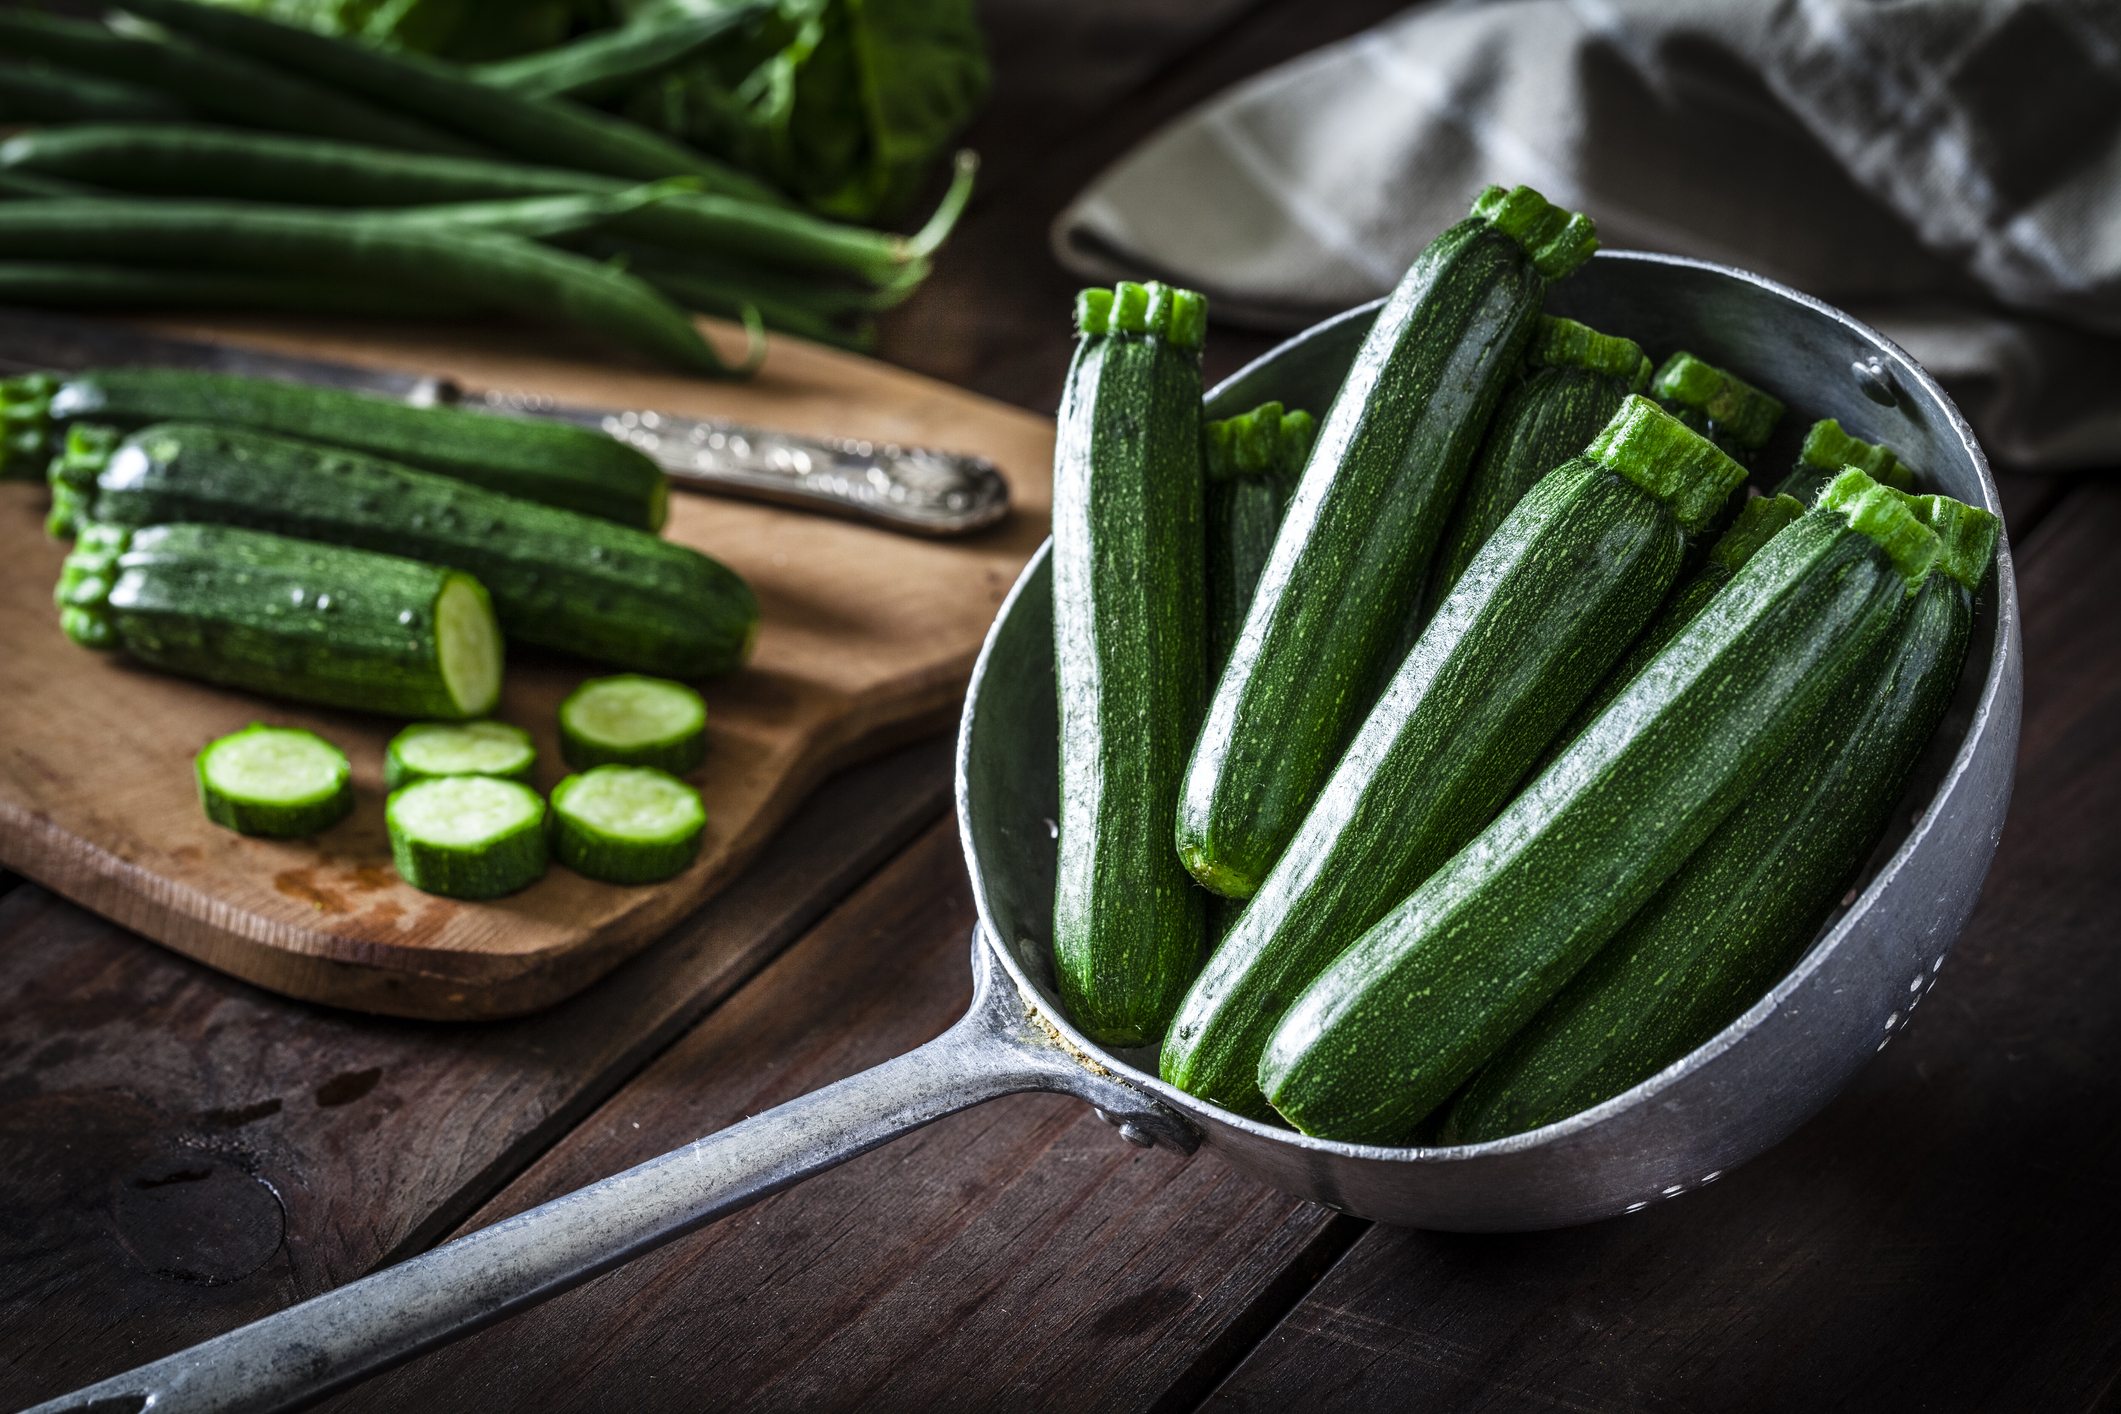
x,y
1828,448
627,824
659,504
1555,240
275,782
427,750
1178,316
468,642
1967,536
634,720
1668,459
1263,442
25,423
1757,524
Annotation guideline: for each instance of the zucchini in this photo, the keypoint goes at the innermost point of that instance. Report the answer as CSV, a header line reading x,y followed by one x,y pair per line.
x,y
318,623
1718,404
1827,449
1251,461
426,750
631,720
1741,912
274,782
1130,656
1415,1005
558,580
468,837
1578,380
627,824
1570,576
554,463
1354,549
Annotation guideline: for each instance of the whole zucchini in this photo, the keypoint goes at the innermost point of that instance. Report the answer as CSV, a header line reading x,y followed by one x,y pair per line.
x,y
318,623
1130,657
1251,461
554,463
1578,380
1740,912
558,580
1570,576
1353,550
1414,1006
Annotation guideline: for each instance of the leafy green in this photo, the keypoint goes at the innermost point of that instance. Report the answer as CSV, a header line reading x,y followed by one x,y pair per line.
x,y
841,103
469,30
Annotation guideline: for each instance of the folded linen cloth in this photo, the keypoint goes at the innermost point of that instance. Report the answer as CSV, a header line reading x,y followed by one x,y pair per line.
x,y
1949,170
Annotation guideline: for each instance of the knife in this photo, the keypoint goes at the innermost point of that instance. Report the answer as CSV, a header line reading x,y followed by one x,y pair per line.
x,y
916,490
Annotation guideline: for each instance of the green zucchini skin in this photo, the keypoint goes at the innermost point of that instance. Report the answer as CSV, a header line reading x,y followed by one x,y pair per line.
x,y
1414,1006
553,463
1740,912
1130,655
558,580
1758,523
1573,572
1544,421
317,623
1354,546
502,863
1252,462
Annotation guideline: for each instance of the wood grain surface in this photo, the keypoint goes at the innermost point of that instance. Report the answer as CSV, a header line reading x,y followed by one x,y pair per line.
x,y
867,638
362,1139
1019,1255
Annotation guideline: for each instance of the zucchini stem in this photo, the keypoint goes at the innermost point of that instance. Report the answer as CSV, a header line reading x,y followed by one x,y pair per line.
x,y
1178,316
1563,343
1668,459
1888,517
1556,240
1828,448
1263,442
1735,406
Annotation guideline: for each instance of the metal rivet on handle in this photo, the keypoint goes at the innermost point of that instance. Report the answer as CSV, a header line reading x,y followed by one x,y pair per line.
x,y
1877,381
1134,1134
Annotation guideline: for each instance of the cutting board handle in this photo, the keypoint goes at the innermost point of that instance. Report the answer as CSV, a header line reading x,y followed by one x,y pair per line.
x,y
290,1359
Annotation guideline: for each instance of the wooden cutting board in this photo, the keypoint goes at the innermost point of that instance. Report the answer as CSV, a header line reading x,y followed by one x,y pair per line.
x,y
867,640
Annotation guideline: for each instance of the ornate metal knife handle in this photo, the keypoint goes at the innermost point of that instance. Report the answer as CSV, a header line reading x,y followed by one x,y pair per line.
x,y
913,489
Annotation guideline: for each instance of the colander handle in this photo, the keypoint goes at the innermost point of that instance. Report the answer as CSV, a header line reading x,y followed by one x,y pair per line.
x,y
331,1341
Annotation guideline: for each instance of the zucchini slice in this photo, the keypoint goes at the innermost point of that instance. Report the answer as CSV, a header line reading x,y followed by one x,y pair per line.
x,y
1574,571
426,750
627,824
468,837
276,782
1739,914
1416,1004
630,720
1354,551
1130,657
319,623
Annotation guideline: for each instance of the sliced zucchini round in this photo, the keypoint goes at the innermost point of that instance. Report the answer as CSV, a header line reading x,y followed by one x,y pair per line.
x,y
627,824
426,750
631,720
277,782
467,837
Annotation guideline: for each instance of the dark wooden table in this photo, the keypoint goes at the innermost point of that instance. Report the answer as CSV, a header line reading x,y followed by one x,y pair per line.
x,y
180,1153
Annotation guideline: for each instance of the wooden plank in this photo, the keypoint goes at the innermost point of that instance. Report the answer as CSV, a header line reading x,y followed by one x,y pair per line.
x,y
1018,1255
1943,1236
867,639
122,1064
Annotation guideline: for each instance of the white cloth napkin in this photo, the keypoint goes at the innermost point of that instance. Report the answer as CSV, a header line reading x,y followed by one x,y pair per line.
x,y
1949,170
